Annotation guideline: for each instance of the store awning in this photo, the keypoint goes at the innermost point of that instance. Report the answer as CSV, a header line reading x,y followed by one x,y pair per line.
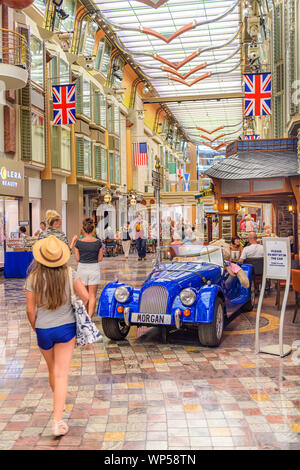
x,y
246,165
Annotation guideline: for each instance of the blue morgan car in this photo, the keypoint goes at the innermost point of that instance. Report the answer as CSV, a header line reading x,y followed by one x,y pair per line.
x,y
193,291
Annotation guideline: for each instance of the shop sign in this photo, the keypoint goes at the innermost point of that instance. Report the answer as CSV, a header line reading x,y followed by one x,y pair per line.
x,y
276,259
11,177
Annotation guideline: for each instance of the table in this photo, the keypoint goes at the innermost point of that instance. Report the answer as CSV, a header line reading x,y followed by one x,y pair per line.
x,y
16,263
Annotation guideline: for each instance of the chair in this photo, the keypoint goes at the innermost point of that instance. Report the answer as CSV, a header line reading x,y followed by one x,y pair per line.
x,y
258,270
296,287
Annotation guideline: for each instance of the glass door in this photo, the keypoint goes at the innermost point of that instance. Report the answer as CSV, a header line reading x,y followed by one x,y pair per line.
x,y
2,232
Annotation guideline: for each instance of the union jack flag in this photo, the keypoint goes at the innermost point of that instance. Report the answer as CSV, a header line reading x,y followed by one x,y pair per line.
x,y
252,137
63,104
257,94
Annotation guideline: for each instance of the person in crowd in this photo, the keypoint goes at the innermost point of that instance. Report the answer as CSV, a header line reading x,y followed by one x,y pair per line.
x,y
139,231
253,250
88,254
54,223
189,236
242,224
249,224
22,232
50,313
41,229
236,247
126,240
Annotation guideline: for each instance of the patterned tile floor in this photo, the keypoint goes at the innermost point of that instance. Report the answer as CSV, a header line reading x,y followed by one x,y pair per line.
x,y
143,394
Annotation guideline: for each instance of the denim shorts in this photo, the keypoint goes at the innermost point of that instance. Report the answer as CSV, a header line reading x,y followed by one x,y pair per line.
x,y
48,337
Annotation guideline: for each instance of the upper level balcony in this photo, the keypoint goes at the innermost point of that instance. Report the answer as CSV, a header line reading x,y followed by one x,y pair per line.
x,y
14,59
194,186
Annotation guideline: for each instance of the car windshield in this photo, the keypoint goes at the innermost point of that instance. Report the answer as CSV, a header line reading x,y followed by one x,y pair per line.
x,y
199,254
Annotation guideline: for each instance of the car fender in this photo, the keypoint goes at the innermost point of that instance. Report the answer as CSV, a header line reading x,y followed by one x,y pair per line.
x,y
107,306
205,309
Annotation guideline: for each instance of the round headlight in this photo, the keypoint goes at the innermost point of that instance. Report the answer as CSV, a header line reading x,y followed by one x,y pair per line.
x,y
187,297
121,294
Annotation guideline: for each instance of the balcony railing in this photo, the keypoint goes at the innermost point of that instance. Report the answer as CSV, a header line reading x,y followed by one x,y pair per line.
x,y
14,52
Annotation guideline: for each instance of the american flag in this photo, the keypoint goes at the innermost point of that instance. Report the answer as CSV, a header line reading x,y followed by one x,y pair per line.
x,y
252,137
257,94
63,104
140,153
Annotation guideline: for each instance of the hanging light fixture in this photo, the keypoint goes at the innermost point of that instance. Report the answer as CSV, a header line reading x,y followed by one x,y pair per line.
x,y
225,206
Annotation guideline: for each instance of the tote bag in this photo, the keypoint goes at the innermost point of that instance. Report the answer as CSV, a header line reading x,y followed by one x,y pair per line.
x,y
86,330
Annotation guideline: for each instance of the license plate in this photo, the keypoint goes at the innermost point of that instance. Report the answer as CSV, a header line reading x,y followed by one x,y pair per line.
x,y
151,318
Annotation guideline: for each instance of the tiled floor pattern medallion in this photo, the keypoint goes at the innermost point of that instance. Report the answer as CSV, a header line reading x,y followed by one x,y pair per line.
x,y
143,394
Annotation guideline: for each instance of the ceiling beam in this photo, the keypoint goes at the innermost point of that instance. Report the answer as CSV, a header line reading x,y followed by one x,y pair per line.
x,y
179,99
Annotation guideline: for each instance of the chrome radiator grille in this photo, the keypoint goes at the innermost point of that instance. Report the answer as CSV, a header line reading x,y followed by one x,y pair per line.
x,y
154,300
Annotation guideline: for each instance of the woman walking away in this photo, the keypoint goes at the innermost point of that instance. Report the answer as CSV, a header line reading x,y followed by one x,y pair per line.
x,y
89,253
50,313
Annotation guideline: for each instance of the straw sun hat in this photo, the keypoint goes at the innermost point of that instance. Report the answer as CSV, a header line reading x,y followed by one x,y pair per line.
x,y
51,252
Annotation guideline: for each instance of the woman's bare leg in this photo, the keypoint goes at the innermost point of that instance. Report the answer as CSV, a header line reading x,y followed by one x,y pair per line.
x,y
92,290
62,359
49,358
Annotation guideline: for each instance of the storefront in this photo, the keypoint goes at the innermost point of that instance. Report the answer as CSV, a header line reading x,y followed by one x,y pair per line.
x,y
11,190
258,183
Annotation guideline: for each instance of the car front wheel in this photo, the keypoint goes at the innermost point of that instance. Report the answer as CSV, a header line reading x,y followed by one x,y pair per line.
x,y
115,328
210,334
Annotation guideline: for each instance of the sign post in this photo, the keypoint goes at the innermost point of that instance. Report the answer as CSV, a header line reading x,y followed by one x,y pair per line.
x,y
157,183
277,265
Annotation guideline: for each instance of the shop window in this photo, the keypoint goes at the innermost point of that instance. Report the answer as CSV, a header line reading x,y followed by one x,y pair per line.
x,y
96,107
90,38
80,155
117,72
97,158
116,120
41,5
103,164
64,72
103,111
86,99
78,95
38,139
110,117
99,54
36,60
54,71
117,169
65,149
106,58
70,8
111,168
87,158
82,36
55,146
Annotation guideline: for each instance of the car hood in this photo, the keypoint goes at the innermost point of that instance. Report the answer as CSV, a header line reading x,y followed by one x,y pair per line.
x,y
183,274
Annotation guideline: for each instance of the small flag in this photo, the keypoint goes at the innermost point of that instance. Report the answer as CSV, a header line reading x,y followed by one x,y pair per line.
x,y
252,137
180,173
140,153
63,104
186,178
257,94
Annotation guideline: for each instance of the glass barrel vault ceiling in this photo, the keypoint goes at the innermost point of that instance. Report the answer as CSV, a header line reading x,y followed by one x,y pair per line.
x,y
167,19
